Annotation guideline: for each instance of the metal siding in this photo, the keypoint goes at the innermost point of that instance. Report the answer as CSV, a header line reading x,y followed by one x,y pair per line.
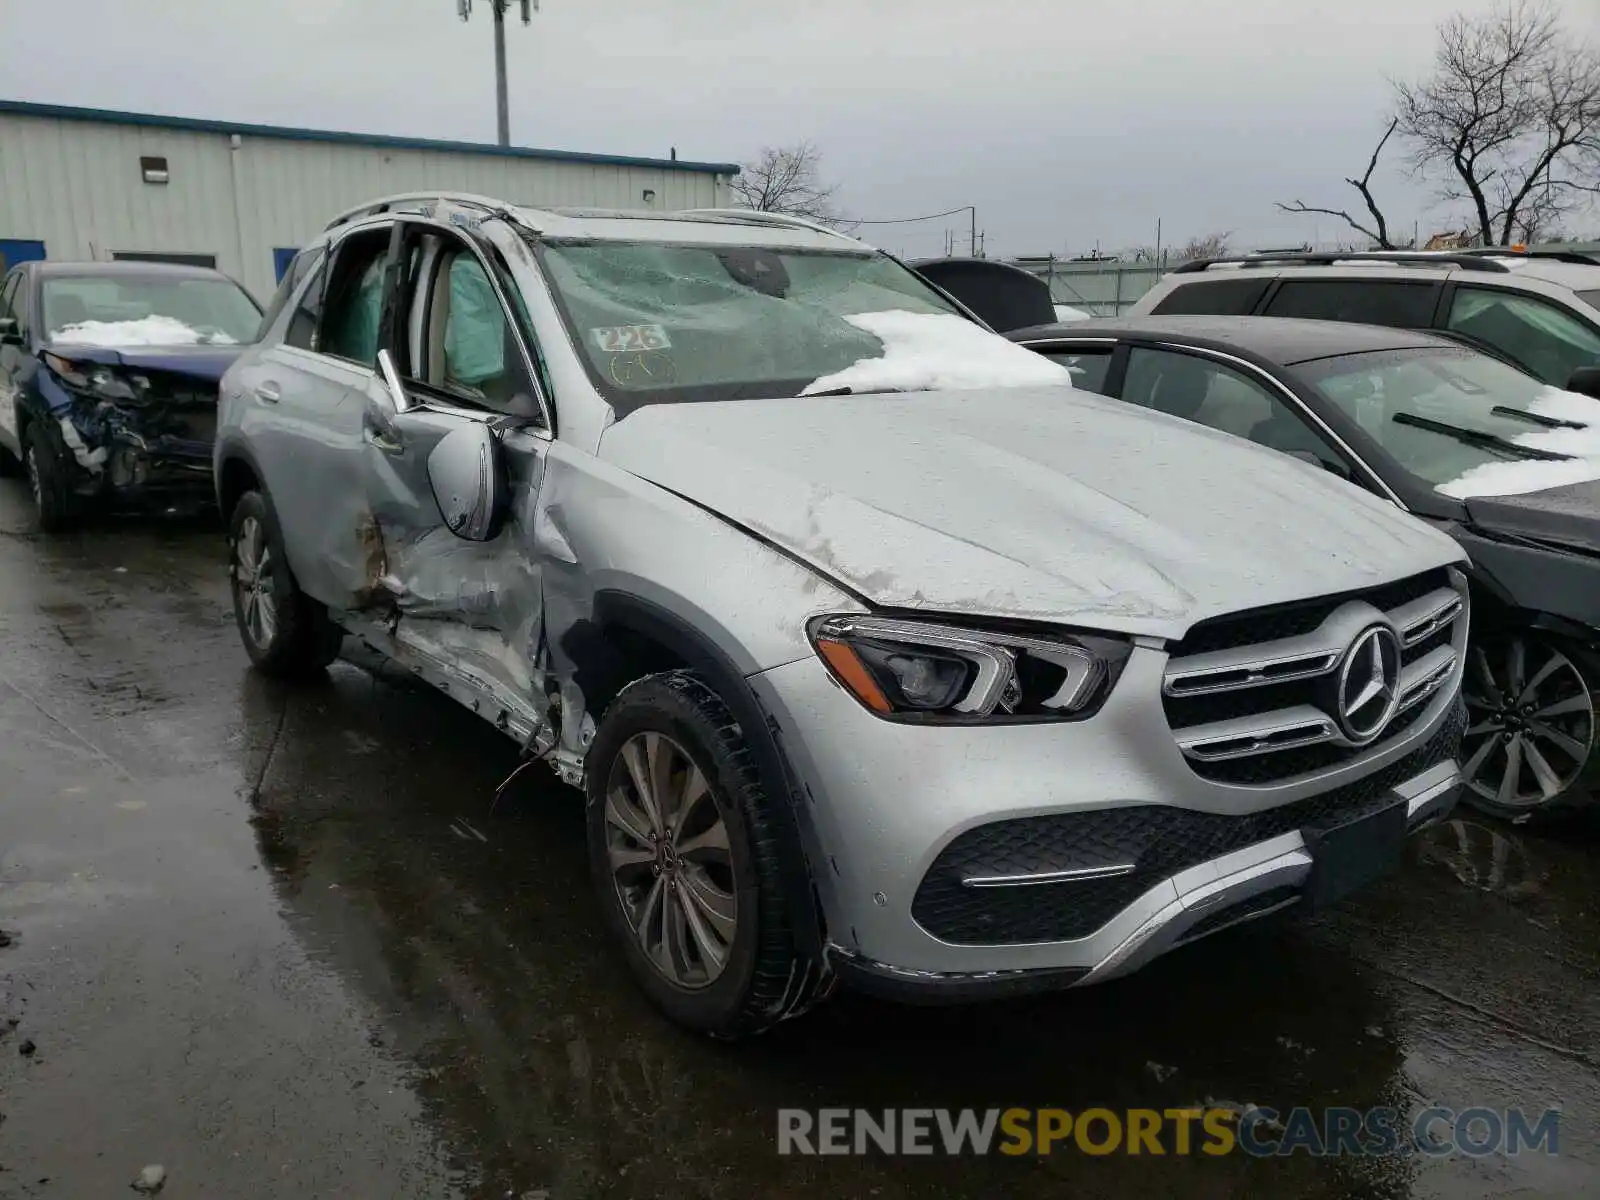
x,y
77,186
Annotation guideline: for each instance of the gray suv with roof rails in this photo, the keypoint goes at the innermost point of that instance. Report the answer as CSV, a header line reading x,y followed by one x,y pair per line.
x,y
1538,310
878,651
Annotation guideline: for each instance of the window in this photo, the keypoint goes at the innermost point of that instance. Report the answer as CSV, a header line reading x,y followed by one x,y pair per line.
x,y
1209,393
1458,420
292,277
307,315
353,309
1087,367
1221,297
168,309
1367,301
8,293
660,322
1545,340
465,345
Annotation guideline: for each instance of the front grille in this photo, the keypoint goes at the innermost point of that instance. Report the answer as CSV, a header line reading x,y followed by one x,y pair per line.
x,y
1258,625
1252,698
1158,840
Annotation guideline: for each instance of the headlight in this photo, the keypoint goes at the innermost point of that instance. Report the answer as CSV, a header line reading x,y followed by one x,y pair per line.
x,y
96,379
912,670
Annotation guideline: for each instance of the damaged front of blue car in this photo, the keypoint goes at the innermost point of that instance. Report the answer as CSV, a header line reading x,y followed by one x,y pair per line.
x,y
113,389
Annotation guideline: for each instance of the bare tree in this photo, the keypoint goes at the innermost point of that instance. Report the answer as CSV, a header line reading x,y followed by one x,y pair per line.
x,y
1378,230
1509,117
788,179
1212,245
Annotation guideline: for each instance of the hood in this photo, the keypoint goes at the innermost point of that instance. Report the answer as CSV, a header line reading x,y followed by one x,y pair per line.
x,y
1561,516
202,363
1050,504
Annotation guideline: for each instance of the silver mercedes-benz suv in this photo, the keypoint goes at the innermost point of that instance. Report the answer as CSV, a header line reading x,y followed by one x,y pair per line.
x,y
879,652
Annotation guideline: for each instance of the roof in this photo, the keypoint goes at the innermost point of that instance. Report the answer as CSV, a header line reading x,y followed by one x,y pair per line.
x,y
60,112
1282,340
1580,277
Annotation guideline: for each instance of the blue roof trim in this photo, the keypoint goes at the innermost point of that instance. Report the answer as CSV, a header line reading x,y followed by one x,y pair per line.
x,y
61,112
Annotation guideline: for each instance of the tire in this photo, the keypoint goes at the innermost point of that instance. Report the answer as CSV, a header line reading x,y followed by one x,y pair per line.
x,y
53,501
1533,731
712,891
287,634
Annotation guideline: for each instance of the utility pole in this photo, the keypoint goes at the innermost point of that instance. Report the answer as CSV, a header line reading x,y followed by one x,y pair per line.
x,y
502,101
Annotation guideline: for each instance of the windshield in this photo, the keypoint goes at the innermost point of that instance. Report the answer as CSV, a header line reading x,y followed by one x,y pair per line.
x,y
1592,299
154,310
662,323
1465,423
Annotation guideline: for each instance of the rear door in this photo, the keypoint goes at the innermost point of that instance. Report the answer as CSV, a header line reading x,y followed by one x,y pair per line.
x,y
461,358
304,404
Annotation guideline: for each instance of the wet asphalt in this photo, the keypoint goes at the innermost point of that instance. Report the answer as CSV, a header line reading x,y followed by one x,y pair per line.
x,y
276,940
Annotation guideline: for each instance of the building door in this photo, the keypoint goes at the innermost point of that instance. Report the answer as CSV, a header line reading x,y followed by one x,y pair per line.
x,y
281,258
14,251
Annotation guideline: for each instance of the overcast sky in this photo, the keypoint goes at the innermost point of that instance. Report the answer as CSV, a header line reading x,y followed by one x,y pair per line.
x,y
1067,123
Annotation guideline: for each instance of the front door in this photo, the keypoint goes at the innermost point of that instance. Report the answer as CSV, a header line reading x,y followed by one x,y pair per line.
x,y
459,360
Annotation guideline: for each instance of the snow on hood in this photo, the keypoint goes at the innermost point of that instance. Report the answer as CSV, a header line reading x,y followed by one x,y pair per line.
x,y
147,331
1535,475
1042,503
936,352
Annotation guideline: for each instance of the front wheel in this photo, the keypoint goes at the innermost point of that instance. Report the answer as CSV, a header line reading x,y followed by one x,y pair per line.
x,y
684,857
1531,730
285,632
53,500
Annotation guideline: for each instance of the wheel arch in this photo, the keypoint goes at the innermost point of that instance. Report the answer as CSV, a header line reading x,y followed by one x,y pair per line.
x,y
630,637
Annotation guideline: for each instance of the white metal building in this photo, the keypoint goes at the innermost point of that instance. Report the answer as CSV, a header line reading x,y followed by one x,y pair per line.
x,y
82,183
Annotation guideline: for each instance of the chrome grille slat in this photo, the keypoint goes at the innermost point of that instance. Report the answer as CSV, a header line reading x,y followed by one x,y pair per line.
x,y
1208,695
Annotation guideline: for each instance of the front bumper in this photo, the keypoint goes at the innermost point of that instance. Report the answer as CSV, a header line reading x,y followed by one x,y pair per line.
x,y
883,803
1266,878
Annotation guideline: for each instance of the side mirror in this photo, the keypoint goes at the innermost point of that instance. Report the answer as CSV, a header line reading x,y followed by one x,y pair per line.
x,y
468,475
1585,380
10,335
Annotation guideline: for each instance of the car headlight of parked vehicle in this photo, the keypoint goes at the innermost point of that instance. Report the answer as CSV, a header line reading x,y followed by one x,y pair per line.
x,y
908,669
97,380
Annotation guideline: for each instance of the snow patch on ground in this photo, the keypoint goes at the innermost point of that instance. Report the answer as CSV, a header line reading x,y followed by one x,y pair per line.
x,y
147,331
925,352
1533,475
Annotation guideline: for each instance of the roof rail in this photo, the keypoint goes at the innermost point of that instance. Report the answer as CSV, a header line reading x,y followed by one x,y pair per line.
x,y
1419,258
755,216
388,203
1566,256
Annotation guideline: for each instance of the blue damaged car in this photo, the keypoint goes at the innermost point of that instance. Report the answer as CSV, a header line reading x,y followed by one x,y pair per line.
x,y
108,382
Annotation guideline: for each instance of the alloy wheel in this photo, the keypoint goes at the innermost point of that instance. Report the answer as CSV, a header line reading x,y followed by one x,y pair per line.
x,y
1531,722
253,583
667,847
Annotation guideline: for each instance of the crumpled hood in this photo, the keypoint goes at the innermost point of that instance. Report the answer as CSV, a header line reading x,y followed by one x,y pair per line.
x,y
204,363
1046,503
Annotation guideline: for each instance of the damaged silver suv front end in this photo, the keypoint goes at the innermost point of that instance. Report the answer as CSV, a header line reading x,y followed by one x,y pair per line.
x,y
876,649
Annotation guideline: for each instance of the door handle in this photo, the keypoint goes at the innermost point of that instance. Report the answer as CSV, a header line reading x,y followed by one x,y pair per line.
x,y
268,392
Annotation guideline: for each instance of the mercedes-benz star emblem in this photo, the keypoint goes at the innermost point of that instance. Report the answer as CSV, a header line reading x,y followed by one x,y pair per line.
x,y
1369,684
